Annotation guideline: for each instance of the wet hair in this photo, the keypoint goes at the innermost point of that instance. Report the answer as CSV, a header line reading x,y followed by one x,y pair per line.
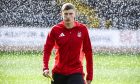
x,y
67,6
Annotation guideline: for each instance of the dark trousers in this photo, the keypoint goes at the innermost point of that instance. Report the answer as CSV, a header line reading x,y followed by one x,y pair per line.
x,y
69,79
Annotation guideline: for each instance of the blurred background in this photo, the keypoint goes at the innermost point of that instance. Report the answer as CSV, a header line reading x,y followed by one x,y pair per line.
x,y
111,23
100,14
114,29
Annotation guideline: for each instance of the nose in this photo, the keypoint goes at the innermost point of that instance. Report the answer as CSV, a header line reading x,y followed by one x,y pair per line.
x,y
68,15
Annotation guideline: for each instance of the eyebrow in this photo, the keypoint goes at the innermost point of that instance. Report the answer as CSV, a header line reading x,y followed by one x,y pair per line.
x,y
68,13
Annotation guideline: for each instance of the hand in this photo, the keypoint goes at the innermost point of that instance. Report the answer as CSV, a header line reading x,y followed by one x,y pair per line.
x,y
46,73
88,81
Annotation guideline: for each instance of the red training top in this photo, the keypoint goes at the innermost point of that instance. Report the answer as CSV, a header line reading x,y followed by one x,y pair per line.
x,y
70,45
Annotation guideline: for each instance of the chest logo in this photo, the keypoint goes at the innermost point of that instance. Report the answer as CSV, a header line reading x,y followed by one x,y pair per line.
x,y
79,34
61,35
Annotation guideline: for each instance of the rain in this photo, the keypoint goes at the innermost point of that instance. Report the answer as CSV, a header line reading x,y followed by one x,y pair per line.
x,y
113,26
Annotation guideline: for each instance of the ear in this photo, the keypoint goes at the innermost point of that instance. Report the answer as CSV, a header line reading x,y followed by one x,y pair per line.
x,y
76,13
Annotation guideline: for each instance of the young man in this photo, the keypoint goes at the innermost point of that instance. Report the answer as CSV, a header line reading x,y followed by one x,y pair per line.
x,y
71,40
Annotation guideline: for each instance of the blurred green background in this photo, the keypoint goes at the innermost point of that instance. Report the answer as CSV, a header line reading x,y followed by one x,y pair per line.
x,y
26,68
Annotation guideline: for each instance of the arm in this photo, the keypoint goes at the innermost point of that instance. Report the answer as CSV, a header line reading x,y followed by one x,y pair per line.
x,y
47,49
87,49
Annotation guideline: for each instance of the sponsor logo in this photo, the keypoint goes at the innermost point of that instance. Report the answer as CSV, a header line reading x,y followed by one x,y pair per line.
x,y
61,35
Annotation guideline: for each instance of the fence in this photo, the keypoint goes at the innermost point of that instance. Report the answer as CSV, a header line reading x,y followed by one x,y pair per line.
x,y
26,38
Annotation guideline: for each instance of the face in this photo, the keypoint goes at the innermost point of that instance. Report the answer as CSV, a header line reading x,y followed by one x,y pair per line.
x,y
68,16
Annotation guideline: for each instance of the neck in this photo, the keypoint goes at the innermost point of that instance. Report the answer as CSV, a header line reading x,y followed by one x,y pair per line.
x,y
69,25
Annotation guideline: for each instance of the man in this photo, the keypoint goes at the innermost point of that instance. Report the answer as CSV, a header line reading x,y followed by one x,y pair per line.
x,y
71,40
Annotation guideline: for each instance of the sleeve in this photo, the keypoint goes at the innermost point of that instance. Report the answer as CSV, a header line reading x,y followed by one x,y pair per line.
x,y
50,41
87,49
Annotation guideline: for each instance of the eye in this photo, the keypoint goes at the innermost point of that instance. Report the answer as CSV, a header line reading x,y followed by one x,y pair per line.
x,y
70,13
65,13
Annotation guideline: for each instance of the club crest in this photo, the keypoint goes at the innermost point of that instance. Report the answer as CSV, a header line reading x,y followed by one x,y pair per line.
x,y
79,34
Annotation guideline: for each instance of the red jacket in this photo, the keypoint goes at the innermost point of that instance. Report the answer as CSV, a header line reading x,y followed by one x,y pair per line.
x,y
70,45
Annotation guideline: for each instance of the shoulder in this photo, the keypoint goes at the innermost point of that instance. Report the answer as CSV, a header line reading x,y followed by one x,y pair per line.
x,y
55,28
58,26
83,27
52,29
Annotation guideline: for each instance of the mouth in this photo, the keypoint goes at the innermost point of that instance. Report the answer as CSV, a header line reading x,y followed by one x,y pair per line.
x,y
67,20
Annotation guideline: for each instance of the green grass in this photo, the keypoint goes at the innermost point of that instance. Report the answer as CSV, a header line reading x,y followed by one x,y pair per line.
x,y
26,68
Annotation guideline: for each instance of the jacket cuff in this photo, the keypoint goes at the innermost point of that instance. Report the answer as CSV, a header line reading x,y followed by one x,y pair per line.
x,y
45,69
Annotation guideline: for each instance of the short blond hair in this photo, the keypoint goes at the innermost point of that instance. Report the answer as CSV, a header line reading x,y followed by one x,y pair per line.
x,y
67,6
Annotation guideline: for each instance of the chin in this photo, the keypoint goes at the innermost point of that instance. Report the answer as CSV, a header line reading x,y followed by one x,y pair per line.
x,y
67,22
